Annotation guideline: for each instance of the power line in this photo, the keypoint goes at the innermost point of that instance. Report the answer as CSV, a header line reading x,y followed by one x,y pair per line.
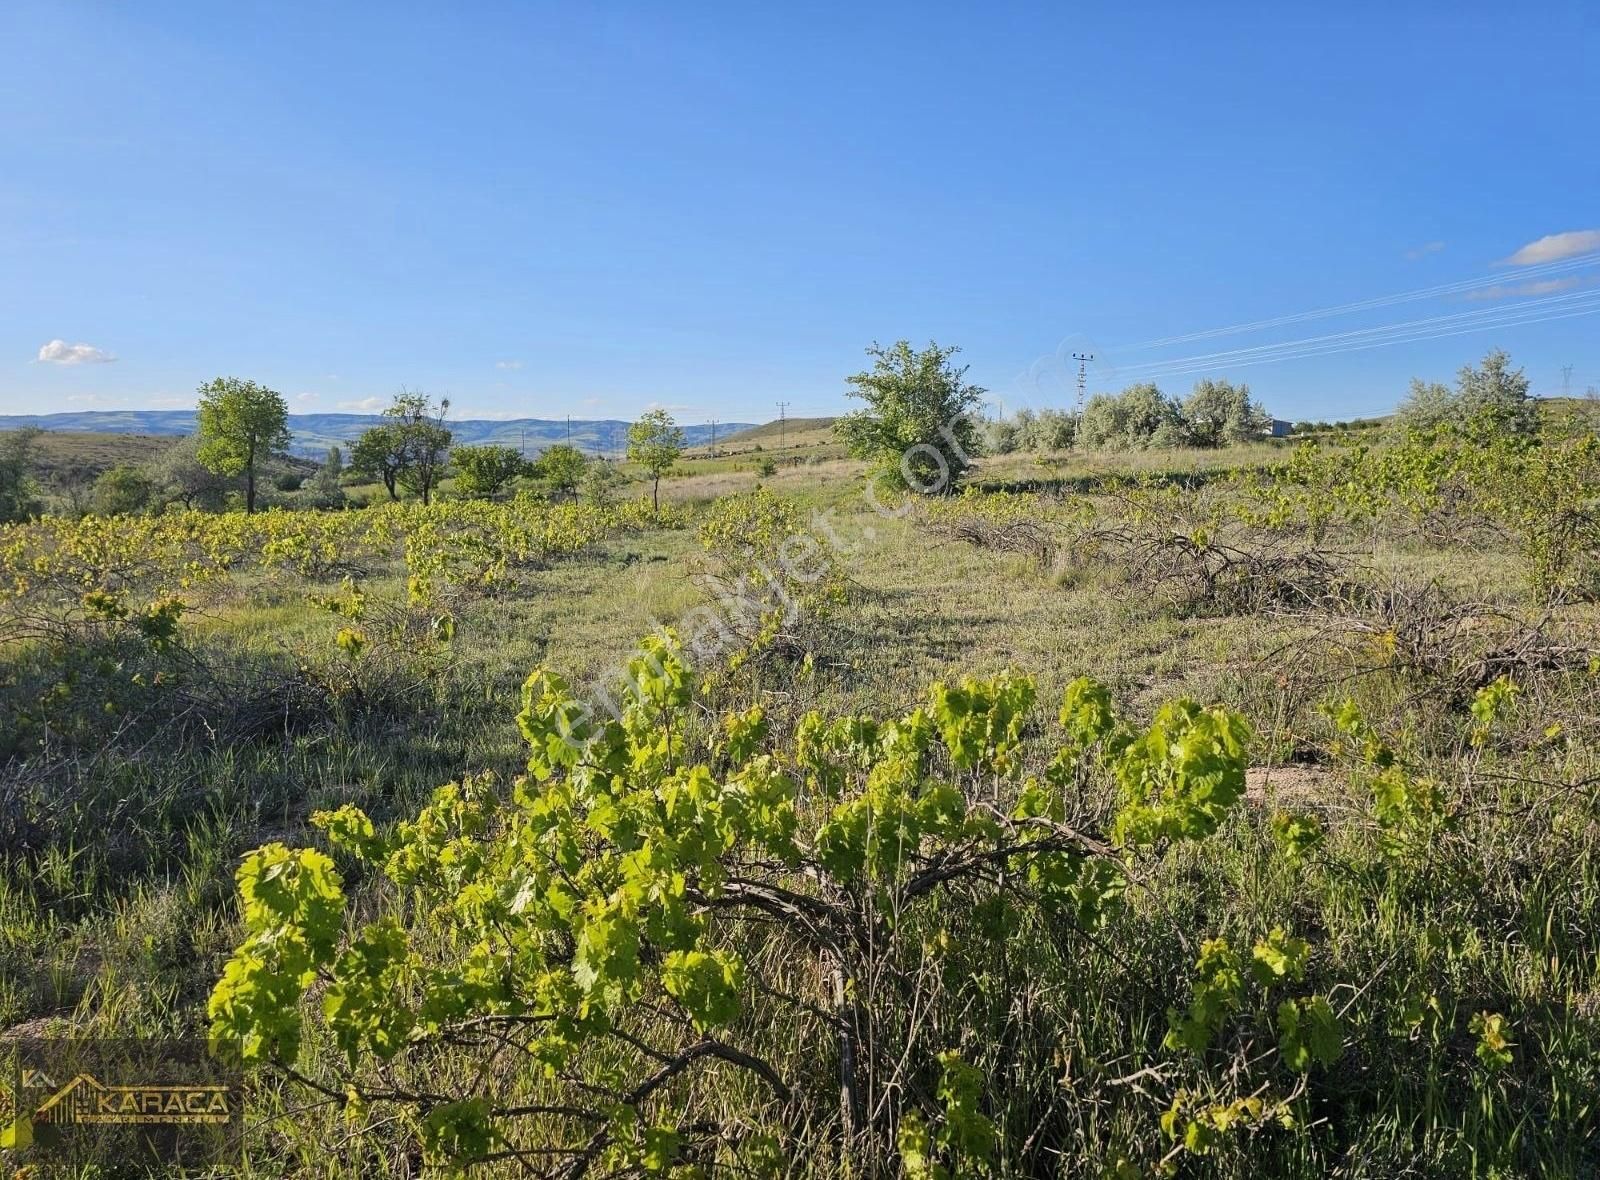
x,y
783,409
1556,307
1459,287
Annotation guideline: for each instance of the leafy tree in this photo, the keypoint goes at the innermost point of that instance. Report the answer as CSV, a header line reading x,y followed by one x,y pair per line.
x,y
1496,394
123,490
920,426
1138,417
180,477
600,481
562,467
326,488
241,424
1491,394
1050,430
655,442
484,471
1219,412
424,441
18,491
1000,437
379,453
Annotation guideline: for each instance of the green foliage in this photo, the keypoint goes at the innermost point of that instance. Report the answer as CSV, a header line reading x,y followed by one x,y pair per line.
x,y
483,472
1217,413
1308,1033
18,490
421,442
655,442
621,876
240,425
963,1139
1218,992
380,453
293,907
1181,778
920,428
123,490
563,469
1140,417
1494,1044
1491,395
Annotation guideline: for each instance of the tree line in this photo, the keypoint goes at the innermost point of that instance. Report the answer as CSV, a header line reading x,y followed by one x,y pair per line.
x,y
242,442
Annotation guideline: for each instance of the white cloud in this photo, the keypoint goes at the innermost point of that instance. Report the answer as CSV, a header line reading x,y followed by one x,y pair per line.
x,y
306,397
1554,247
1423,251
59,352
367,405
1540,287
508,364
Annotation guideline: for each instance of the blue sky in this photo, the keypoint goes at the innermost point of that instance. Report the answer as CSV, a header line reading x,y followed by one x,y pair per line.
x,y
543,209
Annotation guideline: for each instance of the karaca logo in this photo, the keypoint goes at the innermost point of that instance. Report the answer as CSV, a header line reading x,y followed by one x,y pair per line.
x,y
87,1100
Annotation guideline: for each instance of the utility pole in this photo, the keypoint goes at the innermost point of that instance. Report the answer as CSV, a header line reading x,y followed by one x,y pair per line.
x,y
713,438
1083,359
569,430
1566,381
783,423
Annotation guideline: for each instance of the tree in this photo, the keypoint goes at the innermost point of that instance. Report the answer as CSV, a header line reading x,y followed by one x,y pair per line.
x,y
484,471
241,424
1428,405
1048,430
123,490
655,442
18,491
1140,416
424,441
1219,412
379,453
1000,437
920,426
1495,394
562,467
601,479
325,487
1491,394
180,477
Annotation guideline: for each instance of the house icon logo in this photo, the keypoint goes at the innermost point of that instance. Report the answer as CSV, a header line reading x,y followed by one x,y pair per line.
x,y
86,1100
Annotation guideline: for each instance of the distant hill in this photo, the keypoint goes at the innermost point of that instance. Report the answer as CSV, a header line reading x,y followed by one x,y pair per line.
x,y
73,456
315,433
791,432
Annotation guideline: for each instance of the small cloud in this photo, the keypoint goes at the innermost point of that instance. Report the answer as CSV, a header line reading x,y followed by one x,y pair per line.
x,y
508,364
306,397
1554,247
85,398
367,405
59,352
1517,290
591,401
1423,251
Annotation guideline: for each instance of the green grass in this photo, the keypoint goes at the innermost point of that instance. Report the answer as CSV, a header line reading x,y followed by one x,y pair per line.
x,y
120,926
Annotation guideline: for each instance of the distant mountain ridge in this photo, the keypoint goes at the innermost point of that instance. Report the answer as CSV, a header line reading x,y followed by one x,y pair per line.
x,y
313,434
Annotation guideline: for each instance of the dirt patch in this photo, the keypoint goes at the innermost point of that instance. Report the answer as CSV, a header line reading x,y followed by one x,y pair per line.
x,y
1290,786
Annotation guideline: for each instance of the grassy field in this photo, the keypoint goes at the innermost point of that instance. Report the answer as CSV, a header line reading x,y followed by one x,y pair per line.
x,y
1430,837
71,456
